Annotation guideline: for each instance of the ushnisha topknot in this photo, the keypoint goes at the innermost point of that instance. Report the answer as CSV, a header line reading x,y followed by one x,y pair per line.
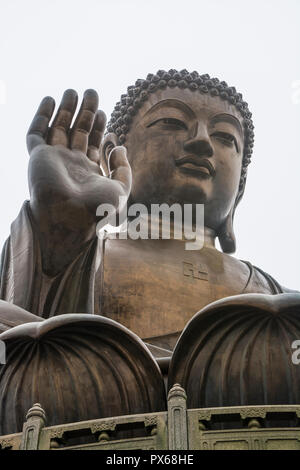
x,y
127,107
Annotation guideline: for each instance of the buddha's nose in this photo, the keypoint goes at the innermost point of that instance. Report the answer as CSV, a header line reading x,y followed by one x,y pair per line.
x,y
200,143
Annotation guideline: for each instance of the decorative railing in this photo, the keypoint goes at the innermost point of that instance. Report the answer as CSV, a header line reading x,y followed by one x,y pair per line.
x,y
178,428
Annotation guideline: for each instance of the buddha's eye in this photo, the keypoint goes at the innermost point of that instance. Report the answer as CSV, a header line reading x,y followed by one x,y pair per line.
x,y
226,139
169,123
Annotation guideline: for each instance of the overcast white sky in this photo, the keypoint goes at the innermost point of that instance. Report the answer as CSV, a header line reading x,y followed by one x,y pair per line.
x,y
47,46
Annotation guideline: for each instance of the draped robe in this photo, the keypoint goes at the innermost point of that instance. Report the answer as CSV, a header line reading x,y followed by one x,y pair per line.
x,y
79,288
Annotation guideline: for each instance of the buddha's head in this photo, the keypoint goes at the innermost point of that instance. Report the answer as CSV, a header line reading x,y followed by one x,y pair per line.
x,y
189,140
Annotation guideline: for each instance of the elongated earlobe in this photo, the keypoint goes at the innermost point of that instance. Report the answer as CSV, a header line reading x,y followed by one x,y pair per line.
x,y
226,234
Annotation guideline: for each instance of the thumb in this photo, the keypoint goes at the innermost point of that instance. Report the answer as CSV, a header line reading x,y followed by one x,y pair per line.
x,y
119,168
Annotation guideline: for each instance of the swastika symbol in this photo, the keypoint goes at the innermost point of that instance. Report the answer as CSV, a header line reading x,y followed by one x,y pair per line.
x,y
195,271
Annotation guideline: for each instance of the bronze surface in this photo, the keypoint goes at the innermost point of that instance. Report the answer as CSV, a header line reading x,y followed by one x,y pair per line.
x,y
174,138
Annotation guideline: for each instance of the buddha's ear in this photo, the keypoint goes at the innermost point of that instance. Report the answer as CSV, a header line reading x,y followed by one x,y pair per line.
x,y
226,234
110,141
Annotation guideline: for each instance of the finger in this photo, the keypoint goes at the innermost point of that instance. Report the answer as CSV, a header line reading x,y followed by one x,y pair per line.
x,y
58,133
119,167
84,121
96,136
38,129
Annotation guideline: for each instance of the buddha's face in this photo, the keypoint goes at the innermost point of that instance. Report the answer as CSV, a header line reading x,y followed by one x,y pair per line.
x,y
186,147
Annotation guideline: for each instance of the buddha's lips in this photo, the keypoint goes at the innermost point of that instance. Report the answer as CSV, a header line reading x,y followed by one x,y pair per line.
x,y
201,165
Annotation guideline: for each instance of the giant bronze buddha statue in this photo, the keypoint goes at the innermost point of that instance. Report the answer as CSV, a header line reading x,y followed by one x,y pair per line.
x,y
174,138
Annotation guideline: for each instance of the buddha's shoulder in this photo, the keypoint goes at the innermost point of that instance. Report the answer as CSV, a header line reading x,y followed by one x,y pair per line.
x,y
259,281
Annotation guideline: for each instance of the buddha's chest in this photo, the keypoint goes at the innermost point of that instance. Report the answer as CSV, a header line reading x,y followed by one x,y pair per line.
x,y
154,287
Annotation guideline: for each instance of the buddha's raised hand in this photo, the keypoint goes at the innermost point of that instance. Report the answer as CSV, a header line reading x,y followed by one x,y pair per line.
x,y
65,179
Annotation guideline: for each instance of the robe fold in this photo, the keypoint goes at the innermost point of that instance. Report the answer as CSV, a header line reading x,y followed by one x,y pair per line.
x,y
23,283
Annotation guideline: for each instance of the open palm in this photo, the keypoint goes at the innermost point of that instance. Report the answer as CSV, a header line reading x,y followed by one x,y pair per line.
x,y
65,177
